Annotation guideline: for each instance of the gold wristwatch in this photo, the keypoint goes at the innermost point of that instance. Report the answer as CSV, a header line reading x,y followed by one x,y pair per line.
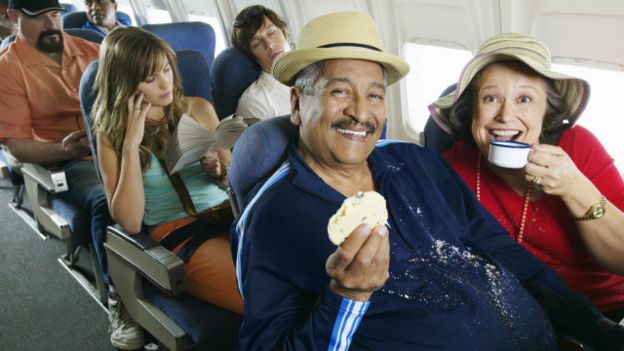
x,y
595,211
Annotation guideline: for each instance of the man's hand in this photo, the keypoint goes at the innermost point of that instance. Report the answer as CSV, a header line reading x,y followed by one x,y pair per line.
x,y
76,144
359,266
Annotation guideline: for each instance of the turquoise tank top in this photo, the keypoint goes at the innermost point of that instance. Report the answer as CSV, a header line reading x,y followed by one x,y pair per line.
x,y
162,203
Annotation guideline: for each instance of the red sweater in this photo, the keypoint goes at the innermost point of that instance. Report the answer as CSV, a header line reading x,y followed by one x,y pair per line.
x,y
550,233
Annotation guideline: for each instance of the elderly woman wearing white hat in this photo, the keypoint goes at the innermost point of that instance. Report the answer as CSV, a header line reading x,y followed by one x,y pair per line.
x,y
565,206
441,274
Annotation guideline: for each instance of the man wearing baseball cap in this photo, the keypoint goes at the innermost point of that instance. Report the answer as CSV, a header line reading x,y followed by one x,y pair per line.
x,y
440,274
41,122
34,8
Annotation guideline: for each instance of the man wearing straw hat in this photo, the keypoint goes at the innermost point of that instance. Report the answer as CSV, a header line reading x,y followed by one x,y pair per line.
x,y
442,274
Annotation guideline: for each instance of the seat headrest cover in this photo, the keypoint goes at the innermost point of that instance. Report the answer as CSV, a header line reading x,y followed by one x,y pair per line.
x,y
194,73
231,73
87,98
259,151
197,36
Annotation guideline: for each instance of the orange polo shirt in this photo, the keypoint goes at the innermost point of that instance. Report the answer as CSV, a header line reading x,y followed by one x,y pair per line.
x,y
38,97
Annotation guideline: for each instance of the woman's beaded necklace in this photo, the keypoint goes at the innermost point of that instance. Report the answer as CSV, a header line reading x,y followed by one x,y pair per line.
x,y
525,202
161,122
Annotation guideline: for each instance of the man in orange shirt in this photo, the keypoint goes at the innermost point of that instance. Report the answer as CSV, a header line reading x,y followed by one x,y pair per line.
x,y
41,122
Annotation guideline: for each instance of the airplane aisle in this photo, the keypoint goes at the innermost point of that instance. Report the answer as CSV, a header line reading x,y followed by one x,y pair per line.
x,y
41,306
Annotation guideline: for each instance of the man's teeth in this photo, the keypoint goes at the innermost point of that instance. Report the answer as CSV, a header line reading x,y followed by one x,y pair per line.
x,y
505,132
361,133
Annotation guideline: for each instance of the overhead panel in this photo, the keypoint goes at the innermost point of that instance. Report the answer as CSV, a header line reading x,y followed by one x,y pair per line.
x,y
588,32
301,12
455,23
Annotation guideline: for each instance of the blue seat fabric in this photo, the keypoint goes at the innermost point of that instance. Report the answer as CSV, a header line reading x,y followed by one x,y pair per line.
x,y
79,221
193,66
231,73
210,327
198,36
258,152
435,137
68,8
78,18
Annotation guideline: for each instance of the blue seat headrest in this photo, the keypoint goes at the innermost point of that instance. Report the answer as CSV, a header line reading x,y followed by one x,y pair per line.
x,y
259,151
231,73
68,8
78,18
195,74
197,36
435,137
87,98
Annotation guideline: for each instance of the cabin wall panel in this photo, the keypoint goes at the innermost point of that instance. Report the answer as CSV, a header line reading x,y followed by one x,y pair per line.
x,y
564,24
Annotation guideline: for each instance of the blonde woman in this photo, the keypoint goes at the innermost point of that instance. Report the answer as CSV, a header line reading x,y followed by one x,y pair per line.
x,y
139,103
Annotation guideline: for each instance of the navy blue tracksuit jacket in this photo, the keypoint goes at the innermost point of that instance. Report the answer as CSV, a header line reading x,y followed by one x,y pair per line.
x,y
456,277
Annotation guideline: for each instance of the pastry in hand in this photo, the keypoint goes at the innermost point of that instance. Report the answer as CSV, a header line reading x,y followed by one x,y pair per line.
x,y
364,207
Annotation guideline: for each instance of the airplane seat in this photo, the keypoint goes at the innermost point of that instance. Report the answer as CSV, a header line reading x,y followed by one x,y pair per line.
x,y
198,36
258,152
434,136
77,19
231,73
151,279
68,8
191,63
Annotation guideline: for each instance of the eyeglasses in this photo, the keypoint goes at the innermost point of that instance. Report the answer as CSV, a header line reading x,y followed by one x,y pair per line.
x,y
248,13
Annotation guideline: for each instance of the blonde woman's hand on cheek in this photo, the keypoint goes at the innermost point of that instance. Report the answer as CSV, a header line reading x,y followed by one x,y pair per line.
x,y
137,110
553,170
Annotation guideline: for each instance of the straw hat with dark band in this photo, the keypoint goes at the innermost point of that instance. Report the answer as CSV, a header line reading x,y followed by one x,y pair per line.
x,y
525,48
342,35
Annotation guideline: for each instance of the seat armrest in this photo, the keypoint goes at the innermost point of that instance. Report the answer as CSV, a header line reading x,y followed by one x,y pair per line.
x,y
51,180
39,183
158,265
135,258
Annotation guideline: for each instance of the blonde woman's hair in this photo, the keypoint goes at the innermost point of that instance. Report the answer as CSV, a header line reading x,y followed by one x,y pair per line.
x,y
128,56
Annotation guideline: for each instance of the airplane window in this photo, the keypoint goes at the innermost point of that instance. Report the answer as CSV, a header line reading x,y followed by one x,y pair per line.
x,y
216,25
603,113
434,68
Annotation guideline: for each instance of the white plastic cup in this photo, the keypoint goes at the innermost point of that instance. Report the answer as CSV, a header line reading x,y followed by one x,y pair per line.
x,y
508,153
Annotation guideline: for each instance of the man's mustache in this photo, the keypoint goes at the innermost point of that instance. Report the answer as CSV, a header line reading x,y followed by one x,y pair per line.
x,y
347,123
50,33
